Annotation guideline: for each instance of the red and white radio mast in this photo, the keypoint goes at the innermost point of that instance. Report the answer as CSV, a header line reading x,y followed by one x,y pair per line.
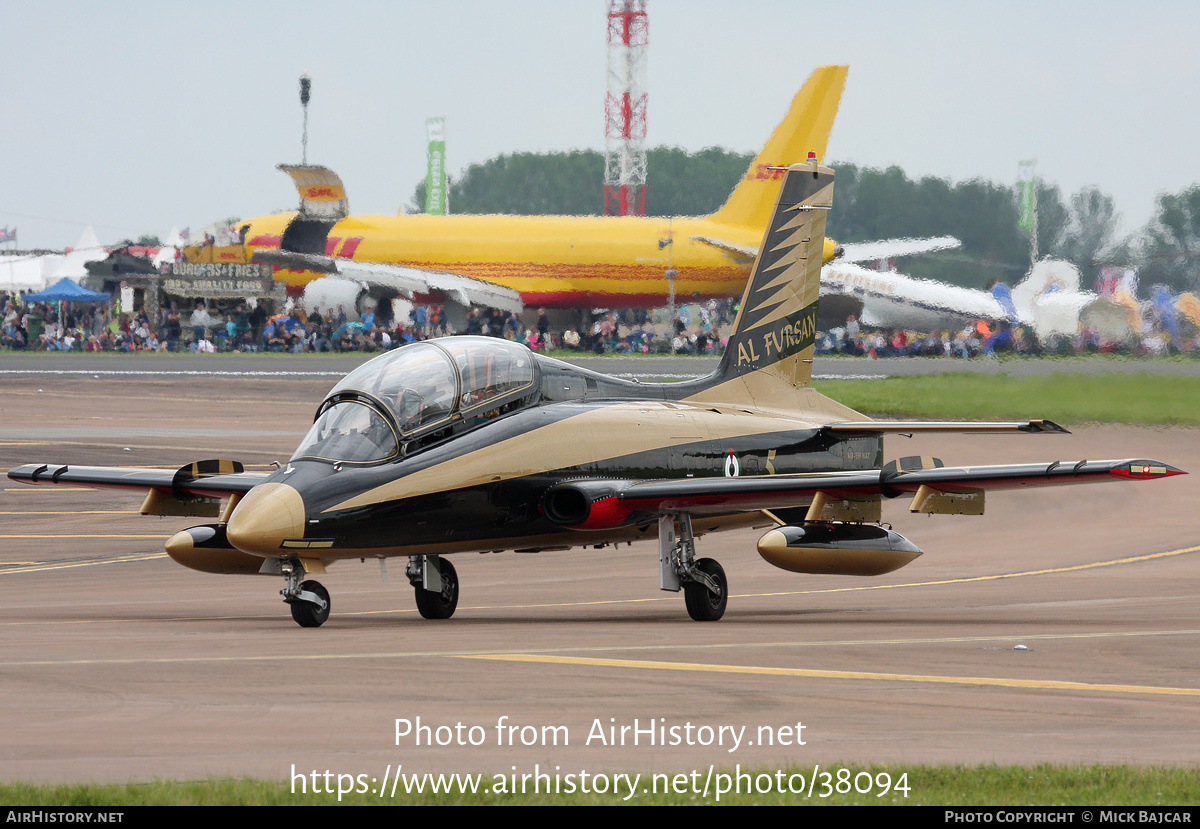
x,y
625,109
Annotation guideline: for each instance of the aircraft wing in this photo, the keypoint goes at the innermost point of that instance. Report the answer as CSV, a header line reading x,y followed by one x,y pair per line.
x,y
704,495
203,479
465,290
893,300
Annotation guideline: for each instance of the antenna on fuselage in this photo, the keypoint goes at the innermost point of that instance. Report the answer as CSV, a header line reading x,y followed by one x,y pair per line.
x,y
305,90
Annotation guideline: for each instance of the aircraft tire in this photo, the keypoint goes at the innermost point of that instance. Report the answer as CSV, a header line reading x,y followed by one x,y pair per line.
x,y
441,605
702,604
307,614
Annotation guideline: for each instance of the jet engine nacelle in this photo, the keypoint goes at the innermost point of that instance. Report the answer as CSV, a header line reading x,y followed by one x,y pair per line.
x,y
207,549
329,292
837,549
586,505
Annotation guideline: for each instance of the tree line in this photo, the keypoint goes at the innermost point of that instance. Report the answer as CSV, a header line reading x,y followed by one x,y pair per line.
x,y
870,204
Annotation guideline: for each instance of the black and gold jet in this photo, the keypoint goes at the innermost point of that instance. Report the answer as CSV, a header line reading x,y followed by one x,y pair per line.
x,y
470,444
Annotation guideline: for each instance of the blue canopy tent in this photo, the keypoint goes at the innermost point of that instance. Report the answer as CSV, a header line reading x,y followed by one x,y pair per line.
x,y
64,290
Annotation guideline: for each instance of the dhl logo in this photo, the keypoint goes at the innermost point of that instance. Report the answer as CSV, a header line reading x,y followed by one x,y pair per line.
x,y
322,192
347,249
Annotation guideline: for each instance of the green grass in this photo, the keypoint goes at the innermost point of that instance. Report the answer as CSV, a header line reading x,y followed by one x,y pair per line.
x,y
1041,785
1149,399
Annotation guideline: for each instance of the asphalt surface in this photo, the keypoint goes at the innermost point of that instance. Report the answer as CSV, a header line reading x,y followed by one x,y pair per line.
x,y
1059,627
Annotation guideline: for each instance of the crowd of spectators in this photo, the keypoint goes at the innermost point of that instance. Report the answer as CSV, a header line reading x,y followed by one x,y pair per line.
x,y
253,327
985,339
696,328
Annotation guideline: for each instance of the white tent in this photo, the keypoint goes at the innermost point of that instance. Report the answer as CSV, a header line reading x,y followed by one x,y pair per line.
x,y
166,254
88,249
35,273
23,273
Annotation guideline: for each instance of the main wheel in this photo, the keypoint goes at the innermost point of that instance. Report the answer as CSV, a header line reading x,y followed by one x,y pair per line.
x,y
308,614
435,605
702,604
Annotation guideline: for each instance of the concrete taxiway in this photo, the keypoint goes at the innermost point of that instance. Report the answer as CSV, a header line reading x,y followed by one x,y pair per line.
x,y
1059,627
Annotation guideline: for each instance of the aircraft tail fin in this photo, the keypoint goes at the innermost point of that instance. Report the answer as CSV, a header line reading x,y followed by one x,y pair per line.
x,y
322,196
804,129
770,350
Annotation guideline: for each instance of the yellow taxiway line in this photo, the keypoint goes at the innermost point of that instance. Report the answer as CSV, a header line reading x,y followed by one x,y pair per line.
x,y
690,667
1003,682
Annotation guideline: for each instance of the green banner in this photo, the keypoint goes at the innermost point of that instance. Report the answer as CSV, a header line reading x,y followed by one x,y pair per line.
x,y
435,178
1025,219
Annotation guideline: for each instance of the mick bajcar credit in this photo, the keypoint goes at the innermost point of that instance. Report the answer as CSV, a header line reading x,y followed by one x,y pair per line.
x,y
711,781
1076,816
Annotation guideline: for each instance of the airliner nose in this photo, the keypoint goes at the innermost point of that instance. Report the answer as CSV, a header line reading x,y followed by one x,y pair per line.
x,y
269,514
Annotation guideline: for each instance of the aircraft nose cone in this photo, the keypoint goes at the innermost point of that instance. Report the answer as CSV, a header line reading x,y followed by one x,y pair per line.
x,y
269,514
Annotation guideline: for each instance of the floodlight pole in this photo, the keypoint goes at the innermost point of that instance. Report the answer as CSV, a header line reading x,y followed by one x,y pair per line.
x,y
305,89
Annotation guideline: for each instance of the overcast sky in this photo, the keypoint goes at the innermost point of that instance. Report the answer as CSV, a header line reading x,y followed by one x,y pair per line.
x,y
139,116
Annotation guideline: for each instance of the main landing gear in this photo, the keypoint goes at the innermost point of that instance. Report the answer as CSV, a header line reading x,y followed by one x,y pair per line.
x,y
309,600
705,590
436,585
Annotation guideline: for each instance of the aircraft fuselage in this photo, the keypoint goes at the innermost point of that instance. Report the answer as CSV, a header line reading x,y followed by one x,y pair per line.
x,y
484,488
553,261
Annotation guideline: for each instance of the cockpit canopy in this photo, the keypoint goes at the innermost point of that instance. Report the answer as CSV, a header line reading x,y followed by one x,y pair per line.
x,y
416,390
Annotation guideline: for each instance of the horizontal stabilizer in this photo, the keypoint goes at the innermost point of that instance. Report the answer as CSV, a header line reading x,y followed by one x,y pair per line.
x,y
967,427
830,250
887,248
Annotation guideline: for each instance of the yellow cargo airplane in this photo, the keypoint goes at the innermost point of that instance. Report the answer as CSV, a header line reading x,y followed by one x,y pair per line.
x,y
542,261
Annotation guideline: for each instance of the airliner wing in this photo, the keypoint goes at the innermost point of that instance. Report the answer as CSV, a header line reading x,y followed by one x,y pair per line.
x,y
893,300
465,290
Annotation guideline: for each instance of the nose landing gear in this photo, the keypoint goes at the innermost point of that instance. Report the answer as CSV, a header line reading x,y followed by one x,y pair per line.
x,y
309,600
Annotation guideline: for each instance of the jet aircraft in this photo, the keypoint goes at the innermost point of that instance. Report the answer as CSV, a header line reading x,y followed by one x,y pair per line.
x,y
474,444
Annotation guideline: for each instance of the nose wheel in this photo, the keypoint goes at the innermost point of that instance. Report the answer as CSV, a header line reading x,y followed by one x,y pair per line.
x,y
309,600
310,608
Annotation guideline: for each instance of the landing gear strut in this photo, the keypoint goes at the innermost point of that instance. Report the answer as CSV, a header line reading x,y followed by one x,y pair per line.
x,y
309,599
436,585
705,590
